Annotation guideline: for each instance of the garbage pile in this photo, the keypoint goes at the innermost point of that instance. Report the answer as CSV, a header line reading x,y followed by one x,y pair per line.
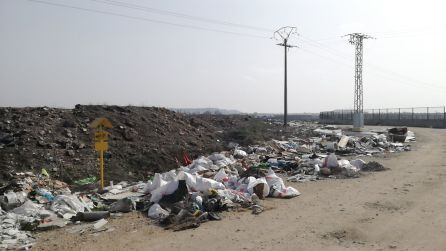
x,y
185,197
364,143
34,202
178,199
198,190
317,154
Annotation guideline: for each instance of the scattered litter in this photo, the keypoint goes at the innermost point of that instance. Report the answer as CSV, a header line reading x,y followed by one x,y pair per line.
x,y
100,223
373,166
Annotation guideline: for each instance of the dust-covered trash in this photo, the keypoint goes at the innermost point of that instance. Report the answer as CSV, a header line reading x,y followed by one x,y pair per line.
x,y
156,212
373,166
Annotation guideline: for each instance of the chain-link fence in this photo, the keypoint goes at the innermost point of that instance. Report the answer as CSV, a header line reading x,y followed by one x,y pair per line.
x,y
415,116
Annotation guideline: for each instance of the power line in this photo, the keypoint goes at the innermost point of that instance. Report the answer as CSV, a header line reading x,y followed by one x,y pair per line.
x,y
326,57
308,40
146,19
179,15
373,67
379,74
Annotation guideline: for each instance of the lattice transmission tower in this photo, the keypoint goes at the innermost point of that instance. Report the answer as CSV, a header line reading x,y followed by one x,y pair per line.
x,y
358,104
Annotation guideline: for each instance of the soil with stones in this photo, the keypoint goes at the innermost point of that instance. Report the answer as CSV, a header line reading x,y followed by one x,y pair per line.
x,y
143,140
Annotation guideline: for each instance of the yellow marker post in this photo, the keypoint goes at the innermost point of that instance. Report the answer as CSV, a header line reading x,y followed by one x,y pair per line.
x,y
101,142
101,157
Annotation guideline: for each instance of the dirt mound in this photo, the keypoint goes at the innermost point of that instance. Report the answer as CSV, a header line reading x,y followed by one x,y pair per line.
x,y
143,140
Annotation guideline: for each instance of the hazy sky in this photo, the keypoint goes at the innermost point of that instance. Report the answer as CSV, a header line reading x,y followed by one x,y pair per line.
x,y
57,56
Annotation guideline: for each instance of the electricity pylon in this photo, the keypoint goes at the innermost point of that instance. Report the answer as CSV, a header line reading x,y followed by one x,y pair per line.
x,y
358,104
284,34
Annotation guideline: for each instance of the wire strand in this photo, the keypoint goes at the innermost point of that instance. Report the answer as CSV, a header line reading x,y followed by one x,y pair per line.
x,y
179,15
145,19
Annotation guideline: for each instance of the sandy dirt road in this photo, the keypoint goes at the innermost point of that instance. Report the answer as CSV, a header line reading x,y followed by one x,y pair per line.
x,y
400,209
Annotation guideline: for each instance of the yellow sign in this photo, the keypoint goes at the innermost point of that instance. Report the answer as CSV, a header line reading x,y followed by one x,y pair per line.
x,y
101,144
101,123
101,136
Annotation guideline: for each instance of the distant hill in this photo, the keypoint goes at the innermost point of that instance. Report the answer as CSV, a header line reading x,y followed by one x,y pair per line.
x,y
291,116
216,111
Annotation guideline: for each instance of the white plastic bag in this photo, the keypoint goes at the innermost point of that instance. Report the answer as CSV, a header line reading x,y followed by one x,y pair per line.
x,y
28,208
63,204
221,176
197,168
202,161
204,184
343,141
169,176
317,169
278,188
166,189
157,182
239,153
156,212
343,163
254,182
221,160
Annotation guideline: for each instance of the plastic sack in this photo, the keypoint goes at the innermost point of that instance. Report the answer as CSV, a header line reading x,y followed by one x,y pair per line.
x,y
169,176
240,153
358,163
221,160
157,182
156,212
63,204
254,182
28,208
216,157
165,189
124,205
343,163
278,188
191,179
15,197
204,184
331,161
197,169
202,161
221,176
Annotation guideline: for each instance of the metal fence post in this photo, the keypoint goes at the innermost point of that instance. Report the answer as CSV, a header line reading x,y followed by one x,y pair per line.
x,y
399,113
444,116
412,114
427,113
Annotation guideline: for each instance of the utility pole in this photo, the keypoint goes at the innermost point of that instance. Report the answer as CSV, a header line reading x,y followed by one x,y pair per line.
x,y
284,34
358,104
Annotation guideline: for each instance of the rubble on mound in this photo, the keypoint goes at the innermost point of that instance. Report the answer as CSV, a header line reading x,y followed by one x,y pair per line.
x,y
143,141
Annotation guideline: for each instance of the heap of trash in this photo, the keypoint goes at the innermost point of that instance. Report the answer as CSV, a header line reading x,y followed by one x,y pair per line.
x,y
198,190
318,154
178,199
